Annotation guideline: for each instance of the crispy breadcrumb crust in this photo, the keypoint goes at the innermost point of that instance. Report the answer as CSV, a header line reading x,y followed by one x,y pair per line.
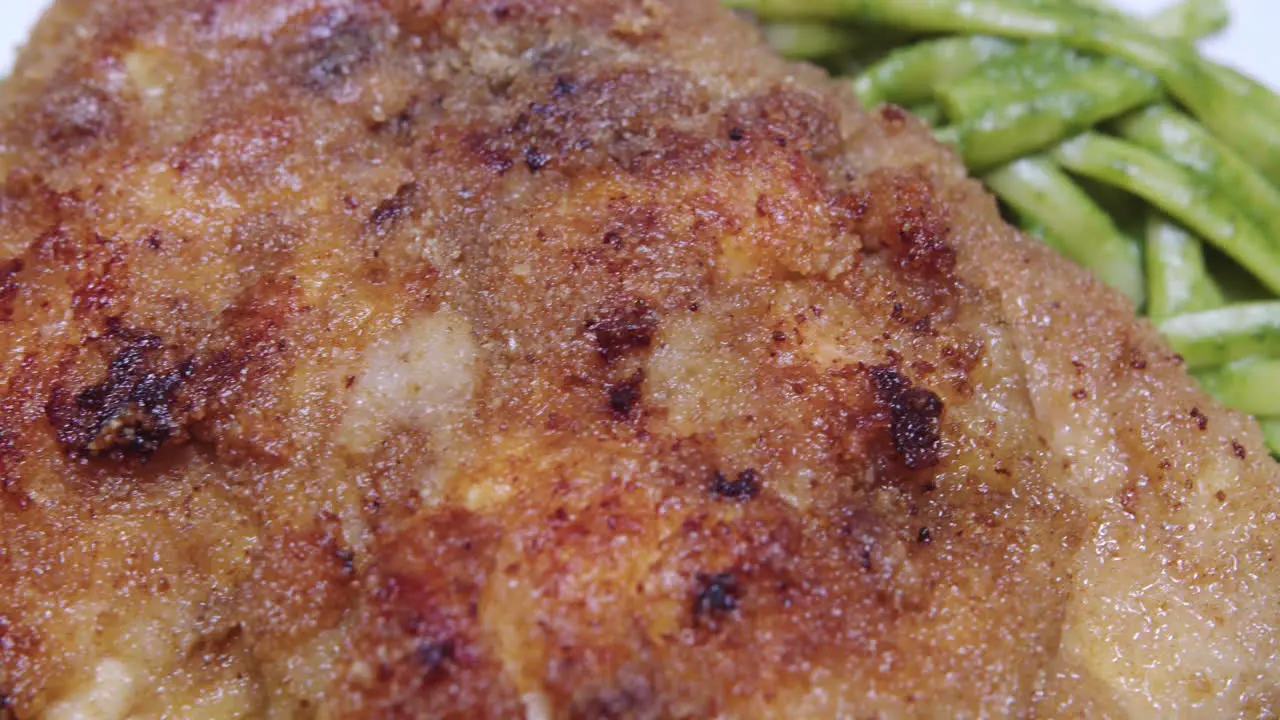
x,y
572,358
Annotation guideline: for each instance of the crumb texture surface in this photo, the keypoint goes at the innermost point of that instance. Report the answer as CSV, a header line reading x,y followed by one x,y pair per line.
x,y
572,359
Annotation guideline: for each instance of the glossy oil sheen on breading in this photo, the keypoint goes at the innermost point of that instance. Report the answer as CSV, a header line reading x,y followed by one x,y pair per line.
x,y
572,359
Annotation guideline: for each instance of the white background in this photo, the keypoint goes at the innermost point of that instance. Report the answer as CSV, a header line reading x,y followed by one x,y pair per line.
x,y
1252,43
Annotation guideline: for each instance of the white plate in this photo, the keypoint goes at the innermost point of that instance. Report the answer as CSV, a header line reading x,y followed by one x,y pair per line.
x,y
1249,44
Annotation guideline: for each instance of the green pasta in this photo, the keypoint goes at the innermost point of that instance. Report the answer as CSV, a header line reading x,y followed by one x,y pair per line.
x,y
1191,19
1178,192
1271,432
1223,335
810,40
913,74
1242,112
1027,70
1178,279
1251,385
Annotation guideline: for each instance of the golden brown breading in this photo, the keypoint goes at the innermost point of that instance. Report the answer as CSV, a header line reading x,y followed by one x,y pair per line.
x,y
572,358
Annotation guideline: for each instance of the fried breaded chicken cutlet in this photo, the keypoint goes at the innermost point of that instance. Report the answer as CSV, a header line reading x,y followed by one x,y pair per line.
x,y
572,359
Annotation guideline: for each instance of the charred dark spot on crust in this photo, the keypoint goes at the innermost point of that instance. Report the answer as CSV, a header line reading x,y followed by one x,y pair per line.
x,y
130,413
864,558
624,397
535,159
491,152
390,211
9,270
1080,394
1132,355
348,560
1239,450
736,134
1202,420
565,86
337,46
432,655
893,114
914,415
399,124
221,641
924,537
623,330
718,595
744,487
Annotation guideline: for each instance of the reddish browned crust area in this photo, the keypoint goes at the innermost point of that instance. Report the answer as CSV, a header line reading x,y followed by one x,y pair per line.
x,y
576,358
